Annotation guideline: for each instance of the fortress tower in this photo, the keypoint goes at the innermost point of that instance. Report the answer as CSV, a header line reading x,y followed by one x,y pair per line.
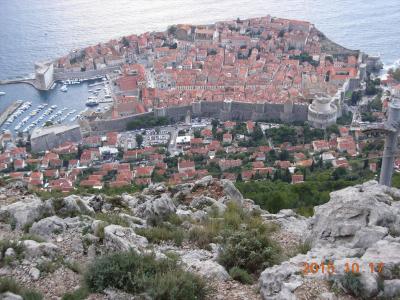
x,y
322,112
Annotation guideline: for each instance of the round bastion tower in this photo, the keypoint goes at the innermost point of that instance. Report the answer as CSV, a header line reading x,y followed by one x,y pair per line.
x,y
322,112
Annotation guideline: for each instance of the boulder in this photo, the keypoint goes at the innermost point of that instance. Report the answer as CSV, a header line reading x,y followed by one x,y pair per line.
x,y
34,249
201,202
23,212
10,296
386,251
130,201
272,280
156,208
96,202
391,288
118,238
75,205
98,227
46,227
232,192
34,273
203,182
368,236
202,263
155,189
10,252
354,213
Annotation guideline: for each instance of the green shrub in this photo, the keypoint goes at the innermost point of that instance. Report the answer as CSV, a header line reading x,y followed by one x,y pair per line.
x,y
73,265
303,248
162,233
32,237
240,275
48,266
112,219
79,294
10,285
135,274
18,248
351,282
250,250
31,295
202,236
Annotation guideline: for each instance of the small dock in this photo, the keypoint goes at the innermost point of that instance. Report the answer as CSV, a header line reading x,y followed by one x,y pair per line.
x,y
10,110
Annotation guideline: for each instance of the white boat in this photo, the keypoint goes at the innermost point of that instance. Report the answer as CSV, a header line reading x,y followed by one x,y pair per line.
x,y
2,93
64,88
92,102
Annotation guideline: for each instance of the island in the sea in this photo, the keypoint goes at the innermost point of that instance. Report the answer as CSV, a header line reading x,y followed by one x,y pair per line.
x,y
256,69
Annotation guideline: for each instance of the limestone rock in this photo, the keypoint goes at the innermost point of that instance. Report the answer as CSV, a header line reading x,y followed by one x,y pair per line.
x,y
354,209
34,273
203,182
46,227
23,212
386,251
156,208
391,288
232,192
96,202
34,249
10,296
368,236
118,238
201,202
75,205
201,262
10,252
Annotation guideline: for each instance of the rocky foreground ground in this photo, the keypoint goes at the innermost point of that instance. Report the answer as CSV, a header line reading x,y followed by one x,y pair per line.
x,y
47,245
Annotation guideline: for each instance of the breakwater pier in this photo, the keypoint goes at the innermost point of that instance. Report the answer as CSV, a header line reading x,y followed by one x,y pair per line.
x,y
9,110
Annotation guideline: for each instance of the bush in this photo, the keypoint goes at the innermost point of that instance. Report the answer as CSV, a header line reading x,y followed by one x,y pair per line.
x,y
250,250
240,275
351,282
32,237
79,294
303,248
161,233
10,285
48,266
6,244
134,273
111,218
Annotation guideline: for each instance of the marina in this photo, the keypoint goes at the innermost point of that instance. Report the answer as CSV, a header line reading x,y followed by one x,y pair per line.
x,y
9,111
55,106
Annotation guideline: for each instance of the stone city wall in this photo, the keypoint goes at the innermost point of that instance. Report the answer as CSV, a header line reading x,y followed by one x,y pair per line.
x,y
103,126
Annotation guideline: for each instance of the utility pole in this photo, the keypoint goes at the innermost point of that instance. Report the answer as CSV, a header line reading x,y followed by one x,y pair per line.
x,y
392,129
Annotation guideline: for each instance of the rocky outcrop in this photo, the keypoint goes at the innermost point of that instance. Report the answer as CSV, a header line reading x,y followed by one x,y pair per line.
x,y
231,192
47,226
75,205
356,216
202,262
156,207
118,238
354,227
33,249
23,212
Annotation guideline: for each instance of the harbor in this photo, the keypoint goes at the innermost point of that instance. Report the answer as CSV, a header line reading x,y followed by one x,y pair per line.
x,y
65,103
9,111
